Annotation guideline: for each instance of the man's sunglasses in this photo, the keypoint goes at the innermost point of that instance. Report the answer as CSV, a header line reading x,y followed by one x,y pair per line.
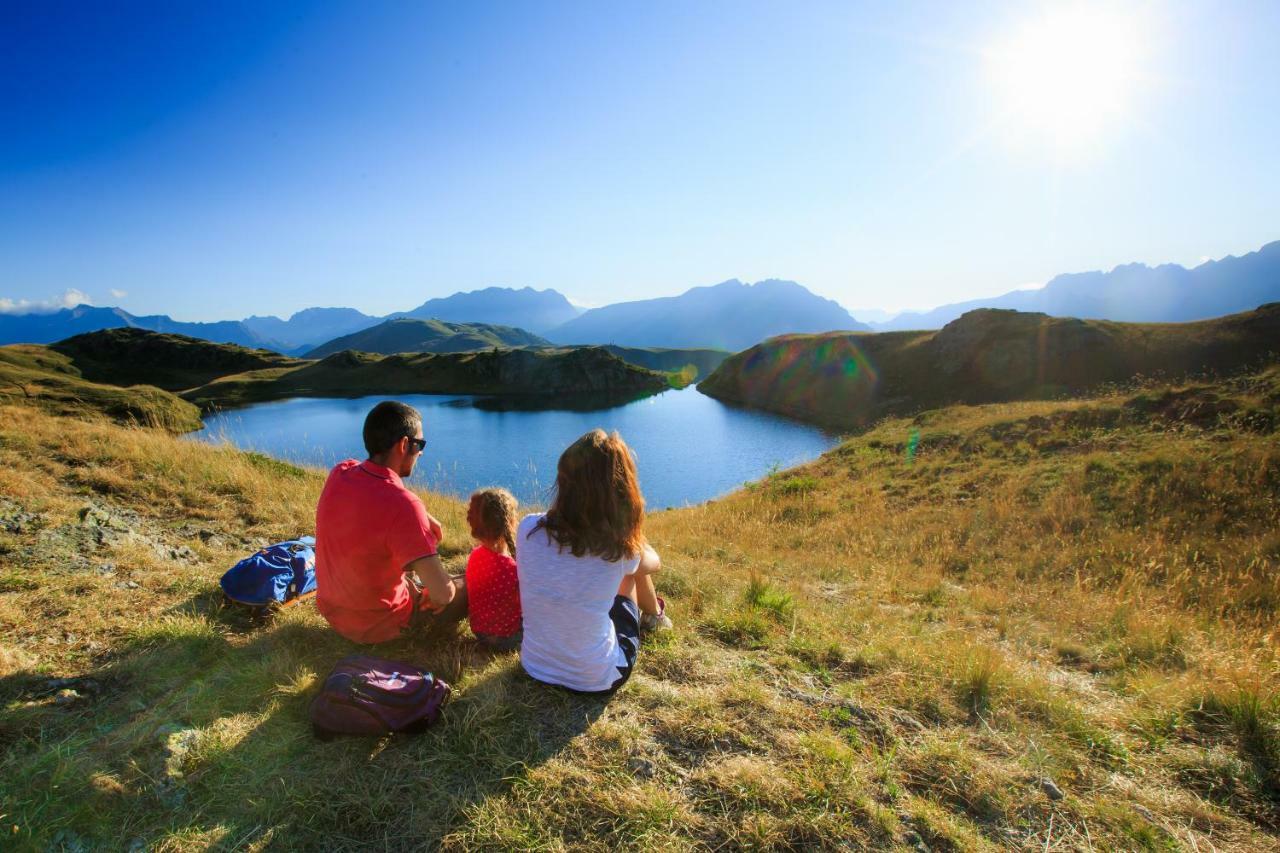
x,y
420,444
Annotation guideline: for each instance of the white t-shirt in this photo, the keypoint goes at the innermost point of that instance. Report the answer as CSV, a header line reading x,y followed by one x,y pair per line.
x,y
568,637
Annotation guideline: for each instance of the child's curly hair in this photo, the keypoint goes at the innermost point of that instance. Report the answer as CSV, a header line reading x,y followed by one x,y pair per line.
x,y
492,515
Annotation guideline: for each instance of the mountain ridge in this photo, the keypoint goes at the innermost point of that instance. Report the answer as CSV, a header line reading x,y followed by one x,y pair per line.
x,y
405,334
524,308
730,315
1133,293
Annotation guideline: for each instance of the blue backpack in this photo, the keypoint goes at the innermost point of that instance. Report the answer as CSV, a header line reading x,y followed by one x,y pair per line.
x,y
277,576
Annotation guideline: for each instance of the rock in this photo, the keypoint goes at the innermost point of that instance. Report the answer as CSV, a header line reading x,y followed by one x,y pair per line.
x,y
907,721
210,538
53,685
182,553
917,843
642,767
1051,790
177,745
68,842
106,568
127,585
15,519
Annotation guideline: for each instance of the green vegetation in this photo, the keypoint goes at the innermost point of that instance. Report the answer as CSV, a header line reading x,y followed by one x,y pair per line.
x,y
1033,625
691,364
535,373
850,380
38,376
128,356
409,335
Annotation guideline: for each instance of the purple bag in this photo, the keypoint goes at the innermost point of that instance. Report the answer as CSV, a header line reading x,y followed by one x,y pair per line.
x,y
369,696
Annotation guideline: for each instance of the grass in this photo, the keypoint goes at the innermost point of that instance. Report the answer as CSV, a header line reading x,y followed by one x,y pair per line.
x,y
849,380
38,376
880,649
555,372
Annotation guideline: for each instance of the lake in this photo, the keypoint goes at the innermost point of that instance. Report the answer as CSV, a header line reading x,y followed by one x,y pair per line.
x,y
689,448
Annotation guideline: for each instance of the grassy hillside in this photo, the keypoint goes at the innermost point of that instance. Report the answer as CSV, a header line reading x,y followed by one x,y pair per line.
x,y
409,335
38,376
355,374
848,380
1040,625
128,356
695,364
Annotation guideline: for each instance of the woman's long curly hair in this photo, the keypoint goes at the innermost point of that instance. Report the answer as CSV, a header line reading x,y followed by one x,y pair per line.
x,y
492,517
597,508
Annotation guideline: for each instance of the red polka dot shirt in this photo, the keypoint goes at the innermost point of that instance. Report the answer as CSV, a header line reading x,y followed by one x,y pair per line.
x,y
493,593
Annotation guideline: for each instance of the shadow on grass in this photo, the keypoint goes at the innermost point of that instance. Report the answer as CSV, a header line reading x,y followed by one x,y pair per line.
x,y
191,737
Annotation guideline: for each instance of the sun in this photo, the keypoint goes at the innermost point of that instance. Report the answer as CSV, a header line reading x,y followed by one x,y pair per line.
x,y
1068,77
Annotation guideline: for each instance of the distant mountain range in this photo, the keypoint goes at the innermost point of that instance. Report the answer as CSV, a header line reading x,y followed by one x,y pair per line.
x,y
526,308
304,330
408,335
309,327
47,328
1133,293
730,315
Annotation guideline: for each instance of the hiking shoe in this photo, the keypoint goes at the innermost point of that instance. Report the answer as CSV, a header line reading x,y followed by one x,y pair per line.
x,y
659,621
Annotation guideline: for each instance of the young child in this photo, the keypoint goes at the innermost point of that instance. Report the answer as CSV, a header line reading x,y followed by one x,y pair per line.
x,y
492,589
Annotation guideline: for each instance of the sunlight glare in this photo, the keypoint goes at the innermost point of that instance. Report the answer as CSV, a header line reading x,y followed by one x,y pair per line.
x,y
1068,76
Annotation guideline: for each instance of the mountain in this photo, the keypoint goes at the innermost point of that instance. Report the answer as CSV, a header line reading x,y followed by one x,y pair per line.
x,y
406,335
526,308
532,373
46,328
1134,293
989,355
730,315
310,327
131,356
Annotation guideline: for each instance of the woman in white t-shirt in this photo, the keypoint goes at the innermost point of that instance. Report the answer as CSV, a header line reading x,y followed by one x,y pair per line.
x,y
585,572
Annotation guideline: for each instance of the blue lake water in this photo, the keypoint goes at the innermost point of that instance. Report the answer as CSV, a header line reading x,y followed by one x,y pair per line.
x,y
689,448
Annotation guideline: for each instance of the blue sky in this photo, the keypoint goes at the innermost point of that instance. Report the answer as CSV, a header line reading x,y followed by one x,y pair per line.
x,y
212,161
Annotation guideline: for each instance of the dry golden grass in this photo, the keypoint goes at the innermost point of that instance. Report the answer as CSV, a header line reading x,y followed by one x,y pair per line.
x,y
921,639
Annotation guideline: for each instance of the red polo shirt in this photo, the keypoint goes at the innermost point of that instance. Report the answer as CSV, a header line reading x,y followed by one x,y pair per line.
x,y
368,528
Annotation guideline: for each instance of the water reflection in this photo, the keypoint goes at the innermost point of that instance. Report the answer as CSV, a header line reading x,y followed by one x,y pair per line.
x,y
689,447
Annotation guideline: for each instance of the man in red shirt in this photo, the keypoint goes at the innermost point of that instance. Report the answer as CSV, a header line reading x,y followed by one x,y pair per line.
x,y
373,535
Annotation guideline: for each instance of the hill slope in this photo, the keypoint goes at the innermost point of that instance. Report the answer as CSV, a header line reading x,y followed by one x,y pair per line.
x,y
129,356
702,361
357,374
526,308
409,335
1136,293
729,316
847,381
42,378
1031,625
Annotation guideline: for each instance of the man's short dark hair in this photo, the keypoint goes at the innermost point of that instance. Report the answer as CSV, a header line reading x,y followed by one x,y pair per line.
x,y
387,423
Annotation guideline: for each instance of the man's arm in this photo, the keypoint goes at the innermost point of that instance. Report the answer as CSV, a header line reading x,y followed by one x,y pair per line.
x,y
435,581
